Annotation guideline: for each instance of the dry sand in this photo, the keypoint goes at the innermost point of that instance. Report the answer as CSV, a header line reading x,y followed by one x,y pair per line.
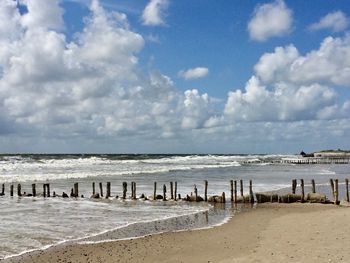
x,y
270,233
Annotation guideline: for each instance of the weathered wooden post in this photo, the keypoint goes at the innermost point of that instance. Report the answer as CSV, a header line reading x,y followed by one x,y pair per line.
x,y
48,190
19,190
164,192
205,190
241,186
155,191
235,190
294,185
251,194
331,181
231,183
101,189
171,190
44,190
33,190
3,189
302,190
93,188
108,193
313,186
132,190
11,190
347,189
195,192
125,186
336,192
76,190
223,197
175,191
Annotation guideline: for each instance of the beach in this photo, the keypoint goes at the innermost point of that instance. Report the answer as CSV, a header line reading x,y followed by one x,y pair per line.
x,y
268,233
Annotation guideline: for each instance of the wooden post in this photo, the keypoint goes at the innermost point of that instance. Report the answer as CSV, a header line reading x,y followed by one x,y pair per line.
x,y
347,189
223,197
33,190
171,190
19,190
294,185
155,191
108,193
132,190
164,192
3,189
125,186
313,186
205,190
175,191
195,192
332,188
11,190
251,194
101,189
231,183
93,188
76,190
48,190
241,185
235,190
336,192
302,190
44,190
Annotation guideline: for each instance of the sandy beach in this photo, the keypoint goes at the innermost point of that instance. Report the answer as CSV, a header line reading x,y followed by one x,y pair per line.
x,y
269,233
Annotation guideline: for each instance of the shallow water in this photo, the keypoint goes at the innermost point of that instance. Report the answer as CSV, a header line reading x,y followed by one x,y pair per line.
x,y
31,223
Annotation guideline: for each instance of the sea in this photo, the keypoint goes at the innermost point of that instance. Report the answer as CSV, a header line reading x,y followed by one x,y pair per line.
x,y
32,223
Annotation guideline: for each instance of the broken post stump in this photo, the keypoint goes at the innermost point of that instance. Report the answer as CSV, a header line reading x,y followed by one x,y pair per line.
x,y
101,189
195,192
241,187
33,190
125,186
93,188
164,192
294,185
205,190
223,197
175,191
76,190
313,186
171,190
302,190
108,191
336,192
11,190
19,190
2,190
347,189
155,191
331,181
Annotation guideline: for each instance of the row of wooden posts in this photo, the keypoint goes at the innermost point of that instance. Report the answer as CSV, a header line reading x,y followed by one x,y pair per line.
x,y
260,197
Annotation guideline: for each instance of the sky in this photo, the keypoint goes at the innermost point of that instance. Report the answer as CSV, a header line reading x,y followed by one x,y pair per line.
x,y
174,76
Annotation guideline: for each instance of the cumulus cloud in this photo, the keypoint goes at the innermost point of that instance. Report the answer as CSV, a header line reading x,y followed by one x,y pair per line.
x,y
153,14
335,21
194,73
284,102
270,20
330,64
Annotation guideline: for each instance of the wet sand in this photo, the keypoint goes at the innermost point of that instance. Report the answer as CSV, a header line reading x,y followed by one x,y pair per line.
x,y
270,233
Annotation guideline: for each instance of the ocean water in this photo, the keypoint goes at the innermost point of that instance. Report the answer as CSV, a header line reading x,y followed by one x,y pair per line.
x,y
29,223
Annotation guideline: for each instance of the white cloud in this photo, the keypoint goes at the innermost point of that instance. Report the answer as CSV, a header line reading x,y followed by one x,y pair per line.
x,y
330,64
285,102
194,73
335,21
270,20
153,14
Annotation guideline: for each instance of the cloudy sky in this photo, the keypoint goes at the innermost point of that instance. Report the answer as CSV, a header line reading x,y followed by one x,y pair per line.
x,y
174,76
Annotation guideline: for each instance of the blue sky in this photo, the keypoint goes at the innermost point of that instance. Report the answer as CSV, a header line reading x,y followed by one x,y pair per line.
x,y
197,76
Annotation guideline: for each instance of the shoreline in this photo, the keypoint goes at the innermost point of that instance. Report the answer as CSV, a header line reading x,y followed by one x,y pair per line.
x,y
269,233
